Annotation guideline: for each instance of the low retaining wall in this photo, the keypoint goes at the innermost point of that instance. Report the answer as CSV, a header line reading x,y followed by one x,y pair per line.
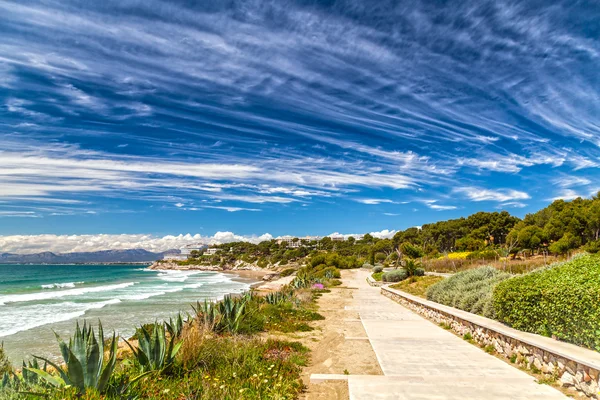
x,y
574,367
373,282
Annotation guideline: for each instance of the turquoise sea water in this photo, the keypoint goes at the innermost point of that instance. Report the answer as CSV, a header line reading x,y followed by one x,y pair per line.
x,y
37,299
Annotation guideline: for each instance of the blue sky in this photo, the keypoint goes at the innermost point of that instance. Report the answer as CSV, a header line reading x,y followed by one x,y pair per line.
x,y
291,117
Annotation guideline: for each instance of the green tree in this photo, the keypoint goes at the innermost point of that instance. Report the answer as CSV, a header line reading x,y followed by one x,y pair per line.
x,y
565,244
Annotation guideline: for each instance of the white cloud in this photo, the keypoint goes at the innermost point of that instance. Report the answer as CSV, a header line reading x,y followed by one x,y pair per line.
x,y
21,214
512,204
383,234
373,201
26,244
440,207
500,195
568,194
232,209
512,163
567,181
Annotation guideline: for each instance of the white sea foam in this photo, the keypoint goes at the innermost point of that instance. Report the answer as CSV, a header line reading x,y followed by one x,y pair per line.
x,y
28,317
155,291
175,276
61,285
47,295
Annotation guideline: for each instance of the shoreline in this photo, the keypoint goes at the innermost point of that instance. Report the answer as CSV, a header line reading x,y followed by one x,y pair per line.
x,y
242,273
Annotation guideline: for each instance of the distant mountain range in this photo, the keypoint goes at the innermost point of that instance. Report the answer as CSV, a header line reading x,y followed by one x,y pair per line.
x,y
105,256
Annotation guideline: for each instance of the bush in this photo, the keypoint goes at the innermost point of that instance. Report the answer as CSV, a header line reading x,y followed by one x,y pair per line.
x,y
377,276
457,255
560,300
419,272
335,260
488,255
287,272
328,273
469,290
411,251
417,286
565,244
377,268
593,247
396,275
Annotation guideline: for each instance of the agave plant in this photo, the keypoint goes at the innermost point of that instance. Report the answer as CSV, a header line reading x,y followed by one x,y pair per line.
x,y
232,312
279,297
175,328
154,352
84,361
8,382
29,377
208,313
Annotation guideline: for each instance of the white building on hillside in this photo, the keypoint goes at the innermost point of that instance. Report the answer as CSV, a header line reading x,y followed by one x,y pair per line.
x,y
296,242
211,251
185,252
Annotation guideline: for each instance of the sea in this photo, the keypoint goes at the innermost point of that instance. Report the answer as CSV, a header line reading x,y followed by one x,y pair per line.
x,y
38,300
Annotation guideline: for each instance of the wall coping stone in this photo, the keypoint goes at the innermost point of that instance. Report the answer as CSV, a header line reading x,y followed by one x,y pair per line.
x,y
373,282
569,351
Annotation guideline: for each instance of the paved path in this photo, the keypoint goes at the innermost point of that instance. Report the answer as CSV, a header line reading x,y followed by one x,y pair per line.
x,y
420,360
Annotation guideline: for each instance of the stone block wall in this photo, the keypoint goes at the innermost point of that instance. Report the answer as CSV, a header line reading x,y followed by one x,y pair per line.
x,y
575,376
373,282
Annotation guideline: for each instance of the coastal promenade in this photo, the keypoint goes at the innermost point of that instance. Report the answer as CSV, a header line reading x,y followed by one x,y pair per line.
x,y
420,360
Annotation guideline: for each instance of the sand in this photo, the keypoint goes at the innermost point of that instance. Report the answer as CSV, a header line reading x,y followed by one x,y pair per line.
x,y
331,353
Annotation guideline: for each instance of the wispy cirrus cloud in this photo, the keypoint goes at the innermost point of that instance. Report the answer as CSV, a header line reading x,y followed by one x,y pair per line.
x,y
291,104
374,201
499,195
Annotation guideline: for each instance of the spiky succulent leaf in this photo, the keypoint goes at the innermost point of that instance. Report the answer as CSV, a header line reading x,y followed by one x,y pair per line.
x,y
110,365
51,379
63,374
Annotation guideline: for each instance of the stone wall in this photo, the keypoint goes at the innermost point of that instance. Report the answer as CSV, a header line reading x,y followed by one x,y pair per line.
x,y
575,376
373,282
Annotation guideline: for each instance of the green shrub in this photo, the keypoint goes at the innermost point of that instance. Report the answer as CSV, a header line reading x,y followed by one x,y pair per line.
x,y
335,260
377,276
488,255
328,273
396,275
561,300
469,290
287,272
419,272
411,251
593,247
377,269
417,285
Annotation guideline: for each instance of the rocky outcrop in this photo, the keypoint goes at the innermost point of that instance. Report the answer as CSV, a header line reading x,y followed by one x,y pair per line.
x,y
172,265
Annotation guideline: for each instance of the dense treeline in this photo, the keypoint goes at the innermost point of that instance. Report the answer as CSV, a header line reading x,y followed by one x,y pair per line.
x,y
560,227
557,229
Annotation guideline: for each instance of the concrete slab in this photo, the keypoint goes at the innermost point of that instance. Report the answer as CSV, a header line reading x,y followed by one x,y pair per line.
x,y
420,360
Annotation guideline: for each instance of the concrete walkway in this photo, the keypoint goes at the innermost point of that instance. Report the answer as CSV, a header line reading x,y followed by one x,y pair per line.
x,y
420,360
